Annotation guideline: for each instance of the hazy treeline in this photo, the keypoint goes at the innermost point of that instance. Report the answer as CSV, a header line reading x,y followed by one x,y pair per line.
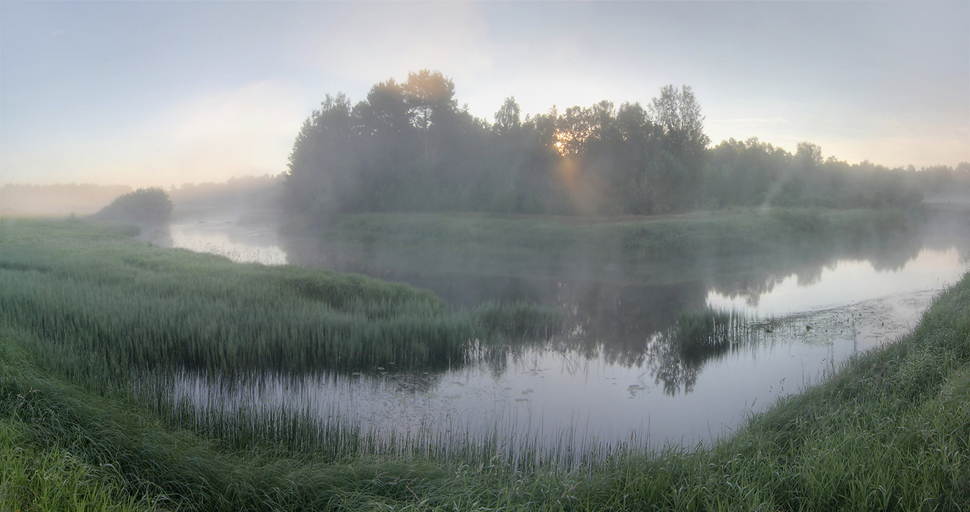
x,y
145,206
754,173
246,192
409,147
61,199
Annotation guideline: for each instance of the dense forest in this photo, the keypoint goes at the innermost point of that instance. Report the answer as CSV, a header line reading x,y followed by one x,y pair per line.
x,y
409,147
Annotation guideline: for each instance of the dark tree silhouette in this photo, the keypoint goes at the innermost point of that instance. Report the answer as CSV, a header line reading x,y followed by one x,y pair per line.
x,y
409,147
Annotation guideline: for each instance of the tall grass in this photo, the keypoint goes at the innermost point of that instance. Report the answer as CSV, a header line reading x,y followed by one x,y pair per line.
x,y
106,306
703,333
37,479
890,431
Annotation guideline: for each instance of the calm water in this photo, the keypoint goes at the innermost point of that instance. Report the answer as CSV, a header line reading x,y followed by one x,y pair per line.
x,y
612,377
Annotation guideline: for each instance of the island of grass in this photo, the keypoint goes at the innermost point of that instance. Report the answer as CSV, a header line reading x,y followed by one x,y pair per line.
x,y
84,308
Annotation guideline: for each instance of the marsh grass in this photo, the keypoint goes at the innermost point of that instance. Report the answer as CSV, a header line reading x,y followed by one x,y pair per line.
x,y
37,479
889,431
704,333
105,306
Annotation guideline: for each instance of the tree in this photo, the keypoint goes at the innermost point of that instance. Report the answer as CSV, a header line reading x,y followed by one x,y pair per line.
x,y
808,154
507,119
679,168
321,162
430,96
149,206
679,114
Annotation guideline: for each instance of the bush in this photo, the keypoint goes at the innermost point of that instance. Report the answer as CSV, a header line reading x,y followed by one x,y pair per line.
x,y
143,206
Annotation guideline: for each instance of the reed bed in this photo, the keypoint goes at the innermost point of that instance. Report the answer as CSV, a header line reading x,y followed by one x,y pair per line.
x,y
889,431
701,334
107,306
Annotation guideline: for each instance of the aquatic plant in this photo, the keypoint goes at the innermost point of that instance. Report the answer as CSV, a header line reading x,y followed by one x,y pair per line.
x,y
700,334
105,304
889,431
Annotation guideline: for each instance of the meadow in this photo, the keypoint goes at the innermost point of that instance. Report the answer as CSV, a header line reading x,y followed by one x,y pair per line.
x,y
86,311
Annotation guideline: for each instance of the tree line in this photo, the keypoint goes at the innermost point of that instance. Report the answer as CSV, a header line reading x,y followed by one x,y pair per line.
x,y
410,147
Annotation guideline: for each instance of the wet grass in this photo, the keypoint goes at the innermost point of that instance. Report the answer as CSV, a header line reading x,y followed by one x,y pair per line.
x,y
703,333
889,431
107,305
36,478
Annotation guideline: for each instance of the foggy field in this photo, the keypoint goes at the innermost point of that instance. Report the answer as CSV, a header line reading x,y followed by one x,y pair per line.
x,y
94,327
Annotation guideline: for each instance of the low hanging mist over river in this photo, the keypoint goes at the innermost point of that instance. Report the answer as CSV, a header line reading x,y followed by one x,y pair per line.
x,y
612,376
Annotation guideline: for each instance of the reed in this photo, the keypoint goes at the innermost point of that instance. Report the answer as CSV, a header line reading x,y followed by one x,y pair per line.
x,y
701,334
889,431
107,305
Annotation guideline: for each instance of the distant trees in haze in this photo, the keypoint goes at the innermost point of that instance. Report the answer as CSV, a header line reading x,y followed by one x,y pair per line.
x,y
148,206
409,147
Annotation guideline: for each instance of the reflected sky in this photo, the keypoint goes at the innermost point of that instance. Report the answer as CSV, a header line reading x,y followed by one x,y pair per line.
x,y
846,282
613,376
238,243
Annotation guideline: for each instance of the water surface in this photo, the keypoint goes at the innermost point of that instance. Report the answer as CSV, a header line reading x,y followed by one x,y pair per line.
x,y
613,377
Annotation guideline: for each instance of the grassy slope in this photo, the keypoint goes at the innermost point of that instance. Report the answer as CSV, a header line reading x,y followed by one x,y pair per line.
x,y
890,431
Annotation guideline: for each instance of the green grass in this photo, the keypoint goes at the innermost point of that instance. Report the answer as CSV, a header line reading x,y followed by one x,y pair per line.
x,y
106,305
889,431
700,334
552,246
38,479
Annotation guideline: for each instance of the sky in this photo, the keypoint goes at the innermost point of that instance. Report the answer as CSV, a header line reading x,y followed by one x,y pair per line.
x,y
166,93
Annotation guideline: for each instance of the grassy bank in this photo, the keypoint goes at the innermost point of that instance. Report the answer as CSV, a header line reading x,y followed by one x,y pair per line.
x,y
540,246
105,304
890,431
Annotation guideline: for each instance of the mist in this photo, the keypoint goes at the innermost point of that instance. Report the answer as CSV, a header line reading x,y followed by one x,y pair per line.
x,y
475,255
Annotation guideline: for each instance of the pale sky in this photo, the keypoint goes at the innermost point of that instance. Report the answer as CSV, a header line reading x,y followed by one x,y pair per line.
x,y
162,93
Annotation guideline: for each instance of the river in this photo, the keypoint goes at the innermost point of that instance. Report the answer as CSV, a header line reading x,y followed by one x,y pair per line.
x,y
610,378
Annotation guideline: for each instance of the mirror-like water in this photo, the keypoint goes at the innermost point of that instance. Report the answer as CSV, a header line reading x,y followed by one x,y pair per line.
x,y
614,376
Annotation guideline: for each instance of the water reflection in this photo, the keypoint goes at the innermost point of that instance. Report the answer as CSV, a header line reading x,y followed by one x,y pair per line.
x,y
616,370
842,283
243,244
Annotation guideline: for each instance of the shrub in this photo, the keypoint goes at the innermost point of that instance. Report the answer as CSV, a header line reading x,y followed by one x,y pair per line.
x,y
143,206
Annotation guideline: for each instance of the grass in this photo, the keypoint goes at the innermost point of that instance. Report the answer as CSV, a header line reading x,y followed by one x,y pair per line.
x,y
700,334
106,305
38,479
889,431
539,246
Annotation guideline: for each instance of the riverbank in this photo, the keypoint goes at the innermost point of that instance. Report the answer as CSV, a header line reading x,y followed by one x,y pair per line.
x,y
641,247
889,431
